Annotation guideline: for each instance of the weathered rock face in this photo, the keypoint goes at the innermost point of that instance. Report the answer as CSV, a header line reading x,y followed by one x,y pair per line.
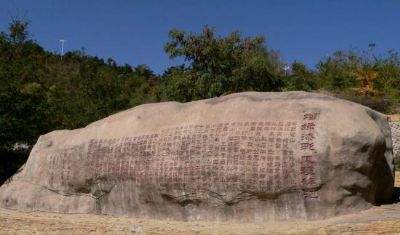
x,y
243,157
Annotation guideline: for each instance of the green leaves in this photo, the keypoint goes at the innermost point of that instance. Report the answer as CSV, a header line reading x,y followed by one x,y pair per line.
x,y
217,65
300,79
39,92
18,31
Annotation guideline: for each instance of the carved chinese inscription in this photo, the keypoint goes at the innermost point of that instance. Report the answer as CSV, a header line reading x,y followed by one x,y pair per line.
x,y
308,153
254,156
60,164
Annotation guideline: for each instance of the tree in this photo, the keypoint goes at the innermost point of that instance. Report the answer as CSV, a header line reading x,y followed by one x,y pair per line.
x,y
217,65
300,78
367,78
18,31
363,77
336,72
143,70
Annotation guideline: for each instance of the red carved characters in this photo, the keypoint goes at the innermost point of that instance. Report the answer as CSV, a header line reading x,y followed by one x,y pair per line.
x,y
308,151
252,156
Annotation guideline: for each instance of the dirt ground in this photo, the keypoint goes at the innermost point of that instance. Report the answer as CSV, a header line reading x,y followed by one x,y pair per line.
x,y
394,117
377,220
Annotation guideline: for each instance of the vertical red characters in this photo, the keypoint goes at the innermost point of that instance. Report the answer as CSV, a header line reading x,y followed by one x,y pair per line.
x,y
308,153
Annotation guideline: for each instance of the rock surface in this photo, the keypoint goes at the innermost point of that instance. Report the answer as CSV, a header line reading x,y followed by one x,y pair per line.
x,y
376,220
248,157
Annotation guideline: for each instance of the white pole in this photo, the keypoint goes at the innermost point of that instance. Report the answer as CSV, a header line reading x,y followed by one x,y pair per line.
x,y
286,68
62,46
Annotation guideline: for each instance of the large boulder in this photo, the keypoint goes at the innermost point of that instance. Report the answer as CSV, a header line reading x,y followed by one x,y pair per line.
x,y
249,157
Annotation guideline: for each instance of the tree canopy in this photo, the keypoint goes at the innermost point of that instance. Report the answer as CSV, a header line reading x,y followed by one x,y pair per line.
x,y
216,65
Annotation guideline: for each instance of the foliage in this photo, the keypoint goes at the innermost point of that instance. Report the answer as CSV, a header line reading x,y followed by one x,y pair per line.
x,y
336,72
367,78
18,31
300,79
219,65
375,80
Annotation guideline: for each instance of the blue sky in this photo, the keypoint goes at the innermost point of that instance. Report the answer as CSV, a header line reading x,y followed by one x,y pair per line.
x,y
135,31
